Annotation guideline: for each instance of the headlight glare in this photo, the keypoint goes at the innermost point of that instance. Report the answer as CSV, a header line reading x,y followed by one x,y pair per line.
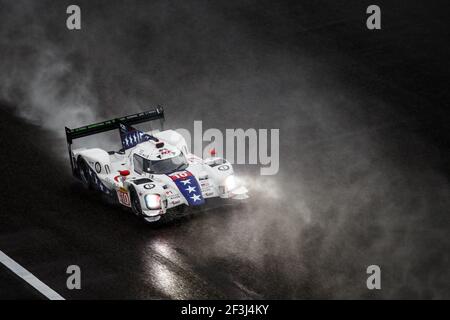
x,y
231,183
153,201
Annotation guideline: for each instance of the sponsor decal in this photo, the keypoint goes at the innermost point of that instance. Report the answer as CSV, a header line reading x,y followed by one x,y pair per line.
x,y
165,151
124,197
225,167
98,184
189,187
98,167
149,186
131,137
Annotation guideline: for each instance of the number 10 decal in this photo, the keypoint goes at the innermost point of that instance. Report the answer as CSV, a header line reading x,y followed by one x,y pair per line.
x,y
181,175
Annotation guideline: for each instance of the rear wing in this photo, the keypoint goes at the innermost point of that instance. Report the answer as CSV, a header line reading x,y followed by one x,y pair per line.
x,y
113,124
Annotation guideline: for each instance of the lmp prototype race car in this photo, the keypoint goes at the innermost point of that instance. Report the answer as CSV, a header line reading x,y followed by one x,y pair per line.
x,y
154,172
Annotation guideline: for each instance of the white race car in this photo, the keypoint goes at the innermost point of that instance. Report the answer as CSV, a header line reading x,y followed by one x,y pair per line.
x,y
154,171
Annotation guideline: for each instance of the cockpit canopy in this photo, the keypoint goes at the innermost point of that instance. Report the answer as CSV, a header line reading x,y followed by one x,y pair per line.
x,y
164,166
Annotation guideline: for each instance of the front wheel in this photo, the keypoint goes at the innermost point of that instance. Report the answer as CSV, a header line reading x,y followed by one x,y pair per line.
x,y
135,202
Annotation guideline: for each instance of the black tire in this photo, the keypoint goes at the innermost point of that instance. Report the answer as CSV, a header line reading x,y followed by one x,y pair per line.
x,y
137,209
83,171
135,203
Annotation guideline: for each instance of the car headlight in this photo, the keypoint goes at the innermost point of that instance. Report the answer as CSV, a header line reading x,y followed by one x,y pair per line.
x,y
153,201
231,183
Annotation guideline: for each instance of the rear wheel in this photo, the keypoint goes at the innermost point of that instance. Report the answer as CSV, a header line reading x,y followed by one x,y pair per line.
x,y
84,173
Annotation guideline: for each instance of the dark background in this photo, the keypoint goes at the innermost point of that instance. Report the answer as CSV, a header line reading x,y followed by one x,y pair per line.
x,y
364,146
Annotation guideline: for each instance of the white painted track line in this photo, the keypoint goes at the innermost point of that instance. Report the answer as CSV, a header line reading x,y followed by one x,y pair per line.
x,y
28,277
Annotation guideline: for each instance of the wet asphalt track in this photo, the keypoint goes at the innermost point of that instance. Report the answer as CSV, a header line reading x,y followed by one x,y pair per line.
x,y
370,190
50,222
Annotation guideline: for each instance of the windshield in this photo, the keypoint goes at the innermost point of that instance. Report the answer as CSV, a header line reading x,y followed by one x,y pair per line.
x,y
166,166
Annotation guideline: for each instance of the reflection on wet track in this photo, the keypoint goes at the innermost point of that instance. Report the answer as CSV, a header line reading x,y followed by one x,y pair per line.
x,y
168,271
